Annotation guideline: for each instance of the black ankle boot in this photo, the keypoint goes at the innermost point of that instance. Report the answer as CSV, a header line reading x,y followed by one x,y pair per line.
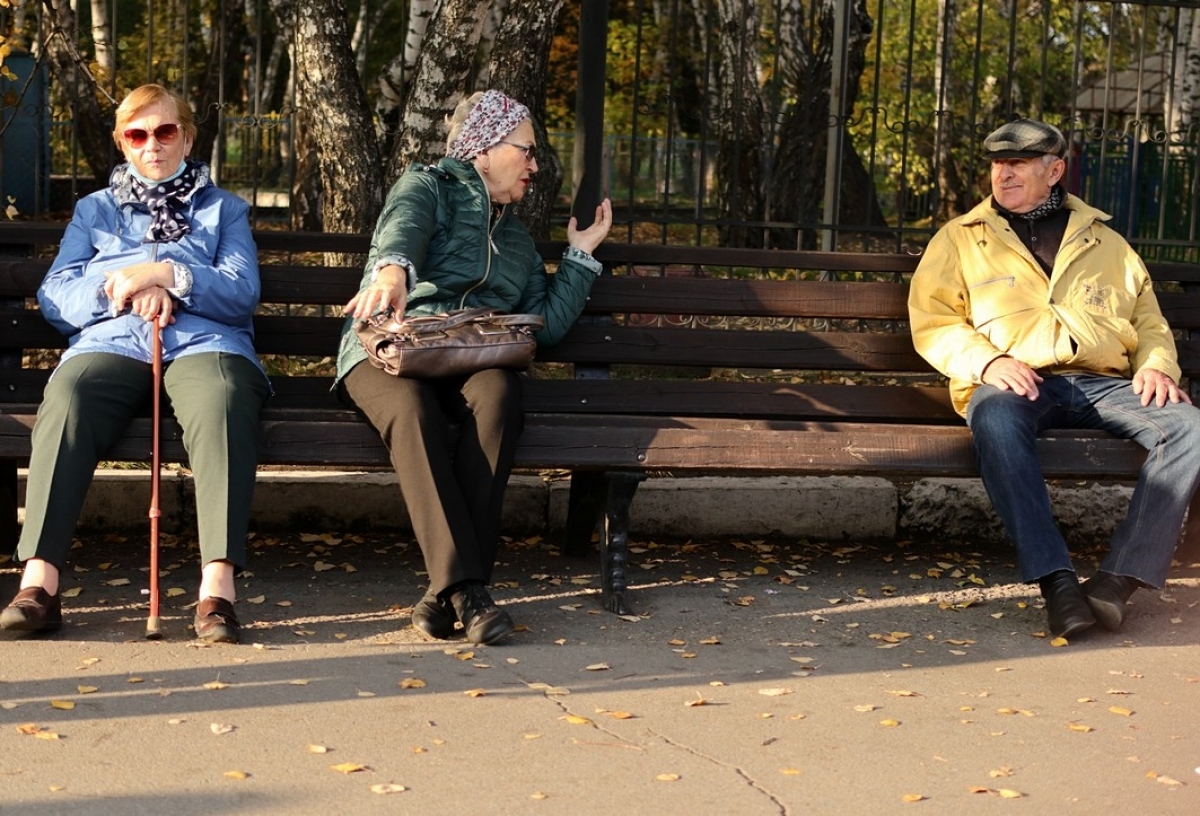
x,y
483,621
1066,606
1107,595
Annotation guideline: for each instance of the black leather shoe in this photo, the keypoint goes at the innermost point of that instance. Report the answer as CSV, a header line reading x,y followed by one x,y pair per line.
x,y
434,617
216,621
32,610
482,620
1066,606
1107,594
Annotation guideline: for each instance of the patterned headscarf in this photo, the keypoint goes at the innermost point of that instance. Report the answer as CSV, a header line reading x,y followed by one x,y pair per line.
x,y
493,117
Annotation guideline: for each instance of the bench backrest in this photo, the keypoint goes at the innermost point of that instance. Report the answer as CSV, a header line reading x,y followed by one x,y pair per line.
x,y
686,331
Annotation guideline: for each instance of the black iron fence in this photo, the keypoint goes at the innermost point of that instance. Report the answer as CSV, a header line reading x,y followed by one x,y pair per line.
x,y
835,124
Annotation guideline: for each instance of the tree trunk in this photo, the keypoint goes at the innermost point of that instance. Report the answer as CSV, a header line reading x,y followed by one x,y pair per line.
x,y
102,43
518,68
799,178
439,82
335,114
739,118
396,76
93,123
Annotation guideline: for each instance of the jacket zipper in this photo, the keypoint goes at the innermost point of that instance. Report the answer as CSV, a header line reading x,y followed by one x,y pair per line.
x,y
491,248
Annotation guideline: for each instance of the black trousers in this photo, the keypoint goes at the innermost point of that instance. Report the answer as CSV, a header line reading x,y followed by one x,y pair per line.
x,y
452,442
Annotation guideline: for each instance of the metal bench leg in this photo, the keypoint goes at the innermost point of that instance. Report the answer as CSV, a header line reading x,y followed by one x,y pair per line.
x,y
10,531
614,543
1189,547
583,511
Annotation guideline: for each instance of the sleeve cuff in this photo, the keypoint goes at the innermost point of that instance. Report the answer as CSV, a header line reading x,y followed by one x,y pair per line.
x,y
583,259
410,272
183,280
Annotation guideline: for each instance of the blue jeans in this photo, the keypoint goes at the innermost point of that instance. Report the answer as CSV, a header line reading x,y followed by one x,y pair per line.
x,y
1005,428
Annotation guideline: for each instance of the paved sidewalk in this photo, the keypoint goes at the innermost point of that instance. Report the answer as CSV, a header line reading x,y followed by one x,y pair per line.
x,y
756,678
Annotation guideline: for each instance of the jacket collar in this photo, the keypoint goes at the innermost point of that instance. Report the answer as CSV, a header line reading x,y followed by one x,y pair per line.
x,y
985,213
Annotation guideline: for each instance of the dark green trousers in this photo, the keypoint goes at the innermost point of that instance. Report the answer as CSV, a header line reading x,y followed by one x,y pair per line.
x,y
217,399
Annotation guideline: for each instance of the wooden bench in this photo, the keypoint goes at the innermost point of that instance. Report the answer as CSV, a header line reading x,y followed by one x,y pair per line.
x,y
687,361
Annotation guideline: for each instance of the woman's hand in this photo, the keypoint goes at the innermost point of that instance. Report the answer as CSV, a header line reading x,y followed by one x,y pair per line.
x,y
121,285
390,290
593,236
154,304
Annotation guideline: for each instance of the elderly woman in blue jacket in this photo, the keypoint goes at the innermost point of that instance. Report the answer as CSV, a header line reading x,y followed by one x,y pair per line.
x,y
447,239
159,250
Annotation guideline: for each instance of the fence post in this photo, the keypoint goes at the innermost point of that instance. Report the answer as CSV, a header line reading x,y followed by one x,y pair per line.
x,y
588,165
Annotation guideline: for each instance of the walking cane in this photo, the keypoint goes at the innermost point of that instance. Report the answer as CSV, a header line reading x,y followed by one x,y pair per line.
x,y
153,632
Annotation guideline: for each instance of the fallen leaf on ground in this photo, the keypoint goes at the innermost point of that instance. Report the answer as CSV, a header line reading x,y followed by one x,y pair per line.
x,y
575,719
912,797
668,777
774,692
478,692
388,787
257,599
1124,712
348,767
318,749
1080,727
73,592
218,728
236,775
889,723
62,705
412,683
598,667
175,592
216,685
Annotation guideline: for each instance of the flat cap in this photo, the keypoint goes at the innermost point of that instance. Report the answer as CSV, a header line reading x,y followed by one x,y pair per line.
x,y
1024,138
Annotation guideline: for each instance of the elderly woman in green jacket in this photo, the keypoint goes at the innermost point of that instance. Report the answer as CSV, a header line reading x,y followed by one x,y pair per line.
x,y
447,239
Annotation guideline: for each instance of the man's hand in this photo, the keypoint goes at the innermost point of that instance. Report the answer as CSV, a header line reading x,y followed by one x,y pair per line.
x,y
1152,384
1008,374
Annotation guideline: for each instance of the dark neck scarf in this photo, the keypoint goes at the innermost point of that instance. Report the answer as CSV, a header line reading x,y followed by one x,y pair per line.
x,y
1044,209
167,201
1042,228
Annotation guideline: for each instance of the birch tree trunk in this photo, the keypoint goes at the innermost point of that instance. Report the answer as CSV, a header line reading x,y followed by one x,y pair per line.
x,y
394,79
439,82
1183,106
102,44
520,54
335,116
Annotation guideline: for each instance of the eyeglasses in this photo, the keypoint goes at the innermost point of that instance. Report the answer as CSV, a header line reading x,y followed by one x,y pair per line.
x,y
163,134
530,150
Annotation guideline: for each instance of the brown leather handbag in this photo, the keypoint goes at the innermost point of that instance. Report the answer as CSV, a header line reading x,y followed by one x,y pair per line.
x,y
448,345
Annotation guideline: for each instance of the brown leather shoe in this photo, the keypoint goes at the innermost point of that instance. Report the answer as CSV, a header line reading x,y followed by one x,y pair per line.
x,y
33,610
216,622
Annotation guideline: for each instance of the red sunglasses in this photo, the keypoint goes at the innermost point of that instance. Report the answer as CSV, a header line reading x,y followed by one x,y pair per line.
x,y
163,134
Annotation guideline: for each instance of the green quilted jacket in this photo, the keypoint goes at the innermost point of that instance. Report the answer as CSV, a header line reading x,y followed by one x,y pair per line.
x,y
439,219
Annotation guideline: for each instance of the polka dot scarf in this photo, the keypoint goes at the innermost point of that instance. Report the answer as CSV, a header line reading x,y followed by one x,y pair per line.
x,y
167,200
493,117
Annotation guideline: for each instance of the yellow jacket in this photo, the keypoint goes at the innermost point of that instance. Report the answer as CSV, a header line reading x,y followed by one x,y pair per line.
x,y
979,294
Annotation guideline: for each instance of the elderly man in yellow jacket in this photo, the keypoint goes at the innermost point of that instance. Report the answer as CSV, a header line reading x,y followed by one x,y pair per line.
x,y
1044,317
